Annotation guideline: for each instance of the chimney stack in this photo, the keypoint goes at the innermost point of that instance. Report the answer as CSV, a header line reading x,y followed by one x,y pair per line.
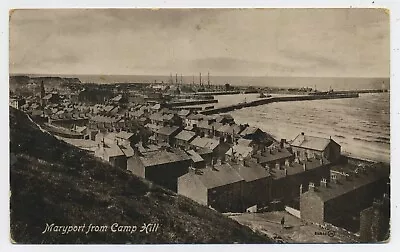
x,y
304,166
362,170
287,163
377,204
266,167
301,189
102,142
334,178
324,183
264,152
282,143
311,187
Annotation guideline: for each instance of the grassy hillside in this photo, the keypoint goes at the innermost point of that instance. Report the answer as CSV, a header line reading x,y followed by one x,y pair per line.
x,y
53,182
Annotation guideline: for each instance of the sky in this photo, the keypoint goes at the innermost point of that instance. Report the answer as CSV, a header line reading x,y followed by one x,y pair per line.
x,y
231,42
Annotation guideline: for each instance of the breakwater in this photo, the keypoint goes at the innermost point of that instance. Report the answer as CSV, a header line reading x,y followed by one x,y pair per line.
x,y
189,103
277,99
216,93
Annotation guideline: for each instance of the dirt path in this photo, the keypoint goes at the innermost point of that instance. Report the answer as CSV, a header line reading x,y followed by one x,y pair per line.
x,y
294,230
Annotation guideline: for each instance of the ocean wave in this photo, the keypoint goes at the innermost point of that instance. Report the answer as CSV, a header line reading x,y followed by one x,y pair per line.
x,y
371,141
340,136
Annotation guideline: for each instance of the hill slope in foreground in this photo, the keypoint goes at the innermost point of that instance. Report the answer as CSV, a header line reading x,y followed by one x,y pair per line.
x,y
53,182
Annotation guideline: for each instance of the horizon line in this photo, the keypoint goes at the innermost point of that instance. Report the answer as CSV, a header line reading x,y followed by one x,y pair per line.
x,y
166,75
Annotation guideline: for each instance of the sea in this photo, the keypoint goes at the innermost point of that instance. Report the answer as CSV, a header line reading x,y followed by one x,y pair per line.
x,y
360,125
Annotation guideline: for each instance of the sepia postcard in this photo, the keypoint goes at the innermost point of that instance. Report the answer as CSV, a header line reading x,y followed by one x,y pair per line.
x,y
199,126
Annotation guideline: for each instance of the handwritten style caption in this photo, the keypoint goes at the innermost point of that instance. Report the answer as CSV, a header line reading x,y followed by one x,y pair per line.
x,y
114,228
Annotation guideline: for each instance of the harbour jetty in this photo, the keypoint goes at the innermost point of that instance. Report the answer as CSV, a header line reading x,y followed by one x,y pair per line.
x,y
189,103
279,99
216,93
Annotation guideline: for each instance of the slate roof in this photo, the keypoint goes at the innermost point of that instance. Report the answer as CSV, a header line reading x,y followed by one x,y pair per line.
x,y
236,128
225,129
276,155
184,112
203,151
310,165
47,97
117,98
167,117
217,125
218,176
195,156
113,151
249,131
156,106
163,157
167,130
105,119
148,148
108,135
80,129
127,150
252,172
196,117
204,125
189,128
124,135
224,117
244,142
239,150
334,190
109,108
230,129
205,142
156,117
199,141
185,135
137,113
311,142
296,168
153,127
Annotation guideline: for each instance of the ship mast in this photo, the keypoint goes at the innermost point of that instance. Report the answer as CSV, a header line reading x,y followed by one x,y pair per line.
x,y
200,79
